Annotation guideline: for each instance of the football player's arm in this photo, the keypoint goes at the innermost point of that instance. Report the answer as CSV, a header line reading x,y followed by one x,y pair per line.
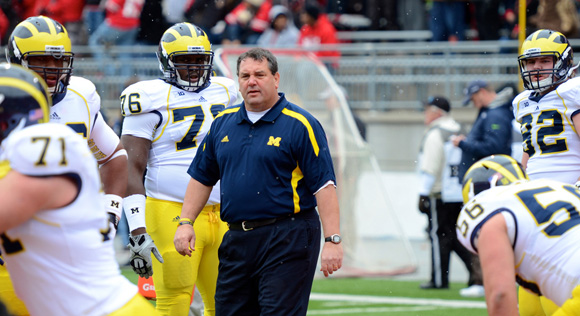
x,y
196,197
498,265
112,159
138,154
331,256
19,205
525,158
141,246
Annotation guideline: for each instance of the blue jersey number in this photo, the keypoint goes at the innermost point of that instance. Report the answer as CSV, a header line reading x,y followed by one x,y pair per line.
x,y
554,129
9,245
188,140
543,213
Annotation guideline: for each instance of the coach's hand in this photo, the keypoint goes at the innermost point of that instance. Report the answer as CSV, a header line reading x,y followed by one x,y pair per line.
x,y
424,204
331,258
184,240
141,247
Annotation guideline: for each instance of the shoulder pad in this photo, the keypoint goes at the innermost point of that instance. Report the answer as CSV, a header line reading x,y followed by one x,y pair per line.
x,y
144,96
47,149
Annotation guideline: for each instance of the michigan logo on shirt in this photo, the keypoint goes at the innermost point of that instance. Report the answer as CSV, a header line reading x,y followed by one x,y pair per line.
x,y
274,141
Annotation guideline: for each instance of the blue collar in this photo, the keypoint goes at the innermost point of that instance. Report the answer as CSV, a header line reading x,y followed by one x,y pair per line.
x,y
57,97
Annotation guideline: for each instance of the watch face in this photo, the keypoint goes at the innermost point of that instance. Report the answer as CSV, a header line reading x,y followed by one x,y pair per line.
x,y
335,239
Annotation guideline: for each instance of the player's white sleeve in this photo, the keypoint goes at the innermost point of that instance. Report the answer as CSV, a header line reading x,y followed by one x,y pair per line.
x,y
511,225
103,140
142,125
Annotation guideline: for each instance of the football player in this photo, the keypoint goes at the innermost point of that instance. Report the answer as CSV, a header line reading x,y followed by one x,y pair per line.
x,y
42,44
55,241
547,108
525,232
165,122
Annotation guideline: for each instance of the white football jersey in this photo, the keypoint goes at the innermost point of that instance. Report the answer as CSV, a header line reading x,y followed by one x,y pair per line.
x,y
61,261
549,136
80,110
544,228
176,121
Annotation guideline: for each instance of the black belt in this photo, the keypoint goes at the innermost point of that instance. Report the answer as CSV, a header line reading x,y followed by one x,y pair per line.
x,y
249,225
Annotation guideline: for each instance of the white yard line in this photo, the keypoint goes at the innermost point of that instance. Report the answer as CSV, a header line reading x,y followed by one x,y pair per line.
x,y
367,310
397,300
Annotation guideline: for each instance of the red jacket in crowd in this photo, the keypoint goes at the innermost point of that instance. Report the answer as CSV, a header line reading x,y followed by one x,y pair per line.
x,y
124,14
322,32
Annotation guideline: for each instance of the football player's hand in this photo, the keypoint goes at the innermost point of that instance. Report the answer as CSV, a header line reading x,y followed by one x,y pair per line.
x,y
184,240
141,247
424,204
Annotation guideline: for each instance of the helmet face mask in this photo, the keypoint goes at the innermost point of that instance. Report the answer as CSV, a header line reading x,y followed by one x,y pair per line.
x,y
545,61
25,99
43,45
55,70
191,70
185,57
489,172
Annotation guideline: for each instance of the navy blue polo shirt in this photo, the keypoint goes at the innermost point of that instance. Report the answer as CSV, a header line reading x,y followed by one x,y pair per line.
x,y
267,169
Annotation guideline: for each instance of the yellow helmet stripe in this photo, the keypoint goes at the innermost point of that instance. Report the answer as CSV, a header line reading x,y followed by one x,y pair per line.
x,y
547,44
30,27
191,29
499,168
175,33
50,24
31,90
35,30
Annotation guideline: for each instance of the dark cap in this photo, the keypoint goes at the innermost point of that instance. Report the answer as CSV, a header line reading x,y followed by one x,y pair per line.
x,y
473,88
439,102
312,10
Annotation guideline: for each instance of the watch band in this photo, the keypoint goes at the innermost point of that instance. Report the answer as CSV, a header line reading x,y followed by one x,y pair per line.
x,y
335,239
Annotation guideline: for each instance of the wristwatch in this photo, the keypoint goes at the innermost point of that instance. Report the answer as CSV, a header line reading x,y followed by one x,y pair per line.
x,y
335,239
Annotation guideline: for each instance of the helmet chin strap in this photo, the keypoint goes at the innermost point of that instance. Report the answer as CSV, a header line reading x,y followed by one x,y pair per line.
x,y
571,70
542,85
185,84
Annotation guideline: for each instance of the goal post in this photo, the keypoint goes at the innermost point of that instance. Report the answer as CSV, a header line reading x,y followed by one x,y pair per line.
x,y
374,242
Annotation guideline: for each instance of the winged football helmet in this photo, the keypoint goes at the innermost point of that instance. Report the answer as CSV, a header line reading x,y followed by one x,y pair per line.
x,y
546,43
24,99
42,44
185,57
489,172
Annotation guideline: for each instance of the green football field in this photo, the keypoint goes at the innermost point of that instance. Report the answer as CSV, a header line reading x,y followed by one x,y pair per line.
x,y
382,296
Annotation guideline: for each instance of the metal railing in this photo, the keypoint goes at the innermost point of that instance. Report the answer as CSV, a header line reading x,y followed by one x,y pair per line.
x,y
376,76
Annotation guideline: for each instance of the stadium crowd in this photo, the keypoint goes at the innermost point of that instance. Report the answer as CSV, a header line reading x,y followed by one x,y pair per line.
x,y
245,21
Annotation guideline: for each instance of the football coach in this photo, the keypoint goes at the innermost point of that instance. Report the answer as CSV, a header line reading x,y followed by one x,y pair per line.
x,y
273,161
